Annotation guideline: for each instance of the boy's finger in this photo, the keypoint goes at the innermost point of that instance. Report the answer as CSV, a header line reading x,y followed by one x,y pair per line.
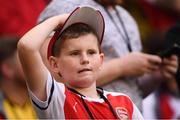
x,y
63,18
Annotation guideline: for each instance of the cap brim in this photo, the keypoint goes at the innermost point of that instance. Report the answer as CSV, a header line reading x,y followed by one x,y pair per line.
x,y
86,15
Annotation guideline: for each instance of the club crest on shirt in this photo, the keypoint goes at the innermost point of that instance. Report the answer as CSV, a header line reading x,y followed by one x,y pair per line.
x,y
122,113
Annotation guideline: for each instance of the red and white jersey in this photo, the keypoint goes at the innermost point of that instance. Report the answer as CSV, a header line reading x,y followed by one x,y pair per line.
x,y
62,103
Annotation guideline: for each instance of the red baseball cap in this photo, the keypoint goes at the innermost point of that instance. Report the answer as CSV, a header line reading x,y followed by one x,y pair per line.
x,y
85,15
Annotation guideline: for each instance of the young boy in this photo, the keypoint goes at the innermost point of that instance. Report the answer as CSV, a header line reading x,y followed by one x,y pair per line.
x,y
74,53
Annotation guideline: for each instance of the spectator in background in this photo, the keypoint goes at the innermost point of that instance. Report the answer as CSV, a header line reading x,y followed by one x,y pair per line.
x,y
164,103
122,46
14,101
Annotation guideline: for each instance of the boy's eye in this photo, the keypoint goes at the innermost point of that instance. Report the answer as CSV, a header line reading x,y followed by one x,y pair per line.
x,y
92,52
74,53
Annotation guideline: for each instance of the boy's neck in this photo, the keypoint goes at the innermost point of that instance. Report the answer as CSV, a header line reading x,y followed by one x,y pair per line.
x,y
90,92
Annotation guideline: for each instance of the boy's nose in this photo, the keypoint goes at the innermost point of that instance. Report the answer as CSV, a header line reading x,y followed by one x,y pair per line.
x,y
84,59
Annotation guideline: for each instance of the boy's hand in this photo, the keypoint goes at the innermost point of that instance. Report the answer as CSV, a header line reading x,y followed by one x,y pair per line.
x,y
62,18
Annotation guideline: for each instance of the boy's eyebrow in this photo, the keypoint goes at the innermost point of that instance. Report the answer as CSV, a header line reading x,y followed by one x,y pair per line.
x,y
74,50
93,49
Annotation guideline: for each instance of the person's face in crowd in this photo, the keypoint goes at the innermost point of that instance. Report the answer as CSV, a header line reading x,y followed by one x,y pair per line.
x,y
80,60
12,69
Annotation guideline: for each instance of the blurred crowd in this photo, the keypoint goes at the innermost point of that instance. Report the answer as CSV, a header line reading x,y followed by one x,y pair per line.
x,y
154,23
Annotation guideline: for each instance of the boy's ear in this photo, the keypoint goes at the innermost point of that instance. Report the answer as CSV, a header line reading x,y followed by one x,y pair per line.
x,y
53,64
101,58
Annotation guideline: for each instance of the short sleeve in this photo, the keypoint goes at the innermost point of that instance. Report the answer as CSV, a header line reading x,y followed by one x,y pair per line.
x,y
53,106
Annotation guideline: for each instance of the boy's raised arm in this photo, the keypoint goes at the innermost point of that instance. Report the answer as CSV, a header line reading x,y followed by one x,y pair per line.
x,y
29,54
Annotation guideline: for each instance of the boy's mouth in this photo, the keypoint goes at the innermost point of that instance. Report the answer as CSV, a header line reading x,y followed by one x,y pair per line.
x,y
84,70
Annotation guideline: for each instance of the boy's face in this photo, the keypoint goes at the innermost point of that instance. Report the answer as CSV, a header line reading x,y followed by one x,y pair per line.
x,y
80,60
